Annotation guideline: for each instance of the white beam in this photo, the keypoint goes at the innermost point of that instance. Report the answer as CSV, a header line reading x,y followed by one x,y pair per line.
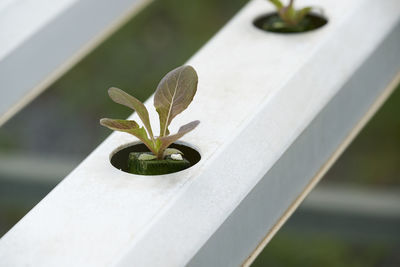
x,y
355,200
41,39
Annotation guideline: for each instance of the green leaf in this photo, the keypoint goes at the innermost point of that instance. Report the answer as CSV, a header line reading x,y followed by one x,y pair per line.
x,y
123,98
168,140
174,94
291,13
288,15
119,125
300,14
277,3
170,151
131,127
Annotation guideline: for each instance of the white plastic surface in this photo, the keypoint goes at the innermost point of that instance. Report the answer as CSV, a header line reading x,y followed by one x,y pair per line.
x,y
42,39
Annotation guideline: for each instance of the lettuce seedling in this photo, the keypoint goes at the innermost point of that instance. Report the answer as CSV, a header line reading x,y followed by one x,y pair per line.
x,y
288,14
173,95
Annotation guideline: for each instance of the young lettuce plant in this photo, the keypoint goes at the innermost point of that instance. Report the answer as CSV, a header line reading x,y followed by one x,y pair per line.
x,y
288,14
173,95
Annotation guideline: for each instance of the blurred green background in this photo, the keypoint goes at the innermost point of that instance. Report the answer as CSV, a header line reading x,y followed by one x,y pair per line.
x,y
48,138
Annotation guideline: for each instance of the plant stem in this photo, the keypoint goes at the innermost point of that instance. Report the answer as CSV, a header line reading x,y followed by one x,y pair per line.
x,y
160,155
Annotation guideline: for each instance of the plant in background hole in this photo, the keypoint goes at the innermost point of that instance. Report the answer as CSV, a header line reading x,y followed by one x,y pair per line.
x,y
173,95
288,14
289,19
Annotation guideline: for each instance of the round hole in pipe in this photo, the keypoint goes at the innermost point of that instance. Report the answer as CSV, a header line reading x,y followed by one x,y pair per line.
x,y
269,22
119,158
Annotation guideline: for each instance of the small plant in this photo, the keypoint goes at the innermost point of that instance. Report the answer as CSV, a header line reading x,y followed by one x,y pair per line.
x,y
173,95
289,15
287,19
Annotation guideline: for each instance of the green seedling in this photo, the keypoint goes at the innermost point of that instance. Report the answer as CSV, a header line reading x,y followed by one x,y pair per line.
x,y
173,95
290,16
